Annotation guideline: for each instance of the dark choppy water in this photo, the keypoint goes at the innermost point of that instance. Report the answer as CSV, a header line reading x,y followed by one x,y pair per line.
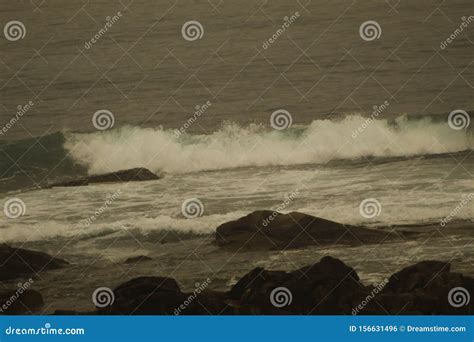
x,y
143,70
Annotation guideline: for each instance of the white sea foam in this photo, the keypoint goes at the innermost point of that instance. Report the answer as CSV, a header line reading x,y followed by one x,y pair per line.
x,y
235,146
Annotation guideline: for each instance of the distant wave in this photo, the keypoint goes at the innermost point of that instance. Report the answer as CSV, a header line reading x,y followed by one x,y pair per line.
x,y
235,146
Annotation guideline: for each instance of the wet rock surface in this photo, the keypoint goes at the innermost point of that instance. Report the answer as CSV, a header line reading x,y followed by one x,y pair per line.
x,y
130,175
269,230
20,302
328,287
15,262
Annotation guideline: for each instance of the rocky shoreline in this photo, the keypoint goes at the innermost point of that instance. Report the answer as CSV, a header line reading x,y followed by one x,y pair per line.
x,y
327,287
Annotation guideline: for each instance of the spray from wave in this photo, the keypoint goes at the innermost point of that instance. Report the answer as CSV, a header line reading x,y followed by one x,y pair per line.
x,y
234,146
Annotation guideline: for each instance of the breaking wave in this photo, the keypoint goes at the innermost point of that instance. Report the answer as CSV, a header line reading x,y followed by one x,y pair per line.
x,y
234,146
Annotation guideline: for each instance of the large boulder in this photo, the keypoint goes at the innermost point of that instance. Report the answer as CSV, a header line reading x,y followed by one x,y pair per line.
x,y
131,175
162,296
266,230
15,262
327,287
427,288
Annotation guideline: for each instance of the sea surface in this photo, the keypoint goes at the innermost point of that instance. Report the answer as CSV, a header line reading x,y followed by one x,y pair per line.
x,y
369,121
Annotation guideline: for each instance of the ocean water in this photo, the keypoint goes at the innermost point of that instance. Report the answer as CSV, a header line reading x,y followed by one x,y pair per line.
x,y
369,120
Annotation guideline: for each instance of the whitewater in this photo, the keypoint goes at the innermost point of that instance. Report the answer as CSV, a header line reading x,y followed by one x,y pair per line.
x,y
410,166
235,146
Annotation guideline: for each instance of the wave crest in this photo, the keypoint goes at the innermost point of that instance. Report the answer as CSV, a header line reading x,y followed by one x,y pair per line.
x,y
236,146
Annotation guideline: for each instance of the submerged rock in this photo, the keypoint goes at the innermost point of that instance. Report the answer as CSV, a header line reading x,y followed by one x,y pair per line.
x,y
131,175
270,230
137,259
15,262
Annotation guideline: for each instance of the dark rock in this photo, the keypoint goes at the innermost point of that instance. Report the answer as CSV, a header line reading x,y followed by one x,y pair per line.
x,y
162,296
427,288
416,276
146,296
20,301
131,175
269,230
15,262
327,287
137,259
